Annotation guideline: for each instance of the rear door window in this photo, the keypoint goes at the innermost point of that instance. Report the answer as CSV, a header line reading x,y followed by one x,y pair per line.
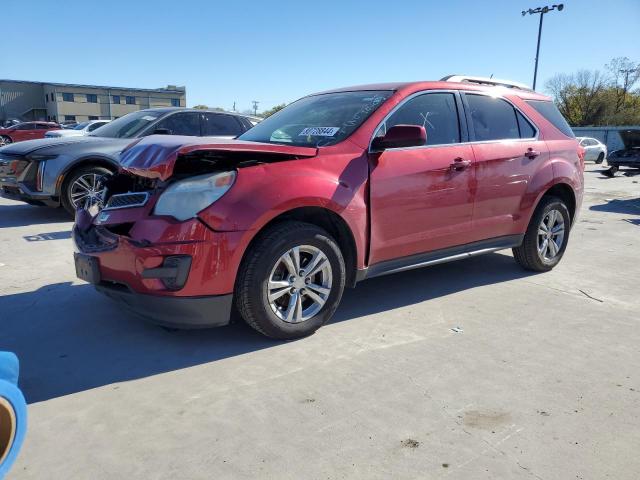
x,y
492,118
526,129
549,111
436,112
214,124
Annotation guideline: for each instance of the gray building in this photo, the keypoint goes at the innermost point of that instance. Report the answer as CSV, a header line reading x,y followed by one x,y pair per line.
x,y
61,102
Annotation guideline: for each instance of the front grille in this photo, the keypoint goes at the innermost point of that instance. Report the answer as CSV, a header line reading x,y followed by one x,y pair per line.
x,y
127,200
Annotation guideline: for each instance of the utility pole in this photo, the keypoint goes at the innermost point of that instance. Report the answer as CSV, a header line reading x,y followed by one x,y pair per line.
x,y
626,74
255,106
234,106
541,11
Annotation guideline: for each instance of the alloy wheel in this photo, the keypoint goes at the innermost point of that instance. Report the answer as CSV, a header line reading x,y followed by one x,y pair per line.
x,y
4,140
87,191
299,284
550,235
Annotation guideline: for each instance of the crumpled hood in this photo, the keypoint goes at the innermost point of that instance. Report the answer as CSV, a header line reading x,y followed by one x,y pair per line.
x,y
155,156
30,146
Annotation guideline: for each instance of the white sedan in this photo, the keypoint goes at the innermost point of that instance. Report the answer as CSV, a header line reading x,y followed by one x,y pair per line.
x,y
593,149
81,129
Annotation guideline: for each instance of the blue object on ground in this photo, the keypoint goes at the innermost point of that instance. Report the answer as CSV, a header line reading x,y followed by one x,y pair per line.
x,y
13,412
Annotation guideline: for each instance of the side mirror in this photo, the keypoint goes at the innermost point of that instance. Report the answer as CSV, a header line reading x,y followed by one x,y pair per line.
x,y
162,131
401,136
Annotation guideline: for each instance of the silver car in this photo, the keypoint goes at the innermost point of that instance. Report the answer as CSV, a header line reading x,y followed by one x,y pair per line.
x,y
595,150
70,172
83,128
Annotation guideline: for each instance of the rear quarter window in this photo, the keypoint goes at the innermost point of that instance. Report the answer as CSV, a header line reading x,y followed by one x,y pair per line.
x,y
550,112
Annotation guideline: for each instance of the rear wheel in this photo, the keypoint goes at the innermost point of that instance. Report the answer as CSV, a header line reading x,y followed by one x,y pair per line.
x,y
4,140
84,188
600,158
291,281
546,238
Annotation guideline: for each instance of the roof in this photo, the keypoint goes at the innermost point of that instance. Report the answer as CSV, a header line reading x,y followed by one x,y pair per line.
x,y
443,85
186,109
180,90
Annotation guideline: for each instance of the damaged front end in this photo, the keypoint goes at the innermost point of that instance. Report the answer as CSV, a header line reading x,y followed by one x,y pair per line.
x,y
148,246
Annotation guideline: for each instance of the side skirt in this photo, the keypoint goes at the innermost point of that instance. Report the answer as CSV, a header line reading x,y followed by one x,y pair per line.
x,y
444,255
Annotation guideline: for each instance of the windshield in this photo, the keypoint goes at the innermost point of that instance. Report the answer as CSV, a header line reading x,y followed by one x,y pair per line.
x,y
128,126
318,120
80,126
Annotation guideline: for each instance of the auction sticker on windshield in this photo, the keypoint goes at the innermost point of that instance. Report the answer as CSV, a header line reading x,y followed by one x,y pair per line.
x,y
319,132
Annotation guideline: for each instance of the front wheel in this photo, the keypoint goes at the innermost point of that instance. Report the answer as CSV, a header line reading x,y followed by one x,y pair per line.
x,y
84,187
4,140
546,238
600,158
291,281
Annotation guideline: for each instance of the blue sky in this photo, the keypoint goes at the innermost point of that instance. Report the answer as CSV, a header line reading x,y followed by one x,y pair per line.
x,y
275,52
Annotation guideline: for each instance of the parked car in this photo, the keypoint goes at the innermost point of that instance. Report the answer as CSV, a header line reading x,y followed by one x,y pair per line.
x,y
80,129
69,124
70,171
10,123
335,188
26,131
629,156
594,149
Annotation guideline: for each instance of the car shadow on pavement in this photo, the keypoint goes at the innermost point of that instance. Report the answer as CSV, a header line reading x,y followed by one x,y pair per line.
x,y
70,339
626,206
22,215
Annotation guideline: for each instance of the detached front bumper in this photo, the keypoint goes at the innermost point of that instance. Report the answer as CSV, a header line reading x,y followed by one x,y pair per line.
x,y
178,274
179,312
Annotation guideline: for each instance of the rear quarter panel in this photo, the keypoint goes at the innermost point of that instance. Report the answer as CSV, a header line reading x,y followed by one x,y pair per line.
x,y
564,162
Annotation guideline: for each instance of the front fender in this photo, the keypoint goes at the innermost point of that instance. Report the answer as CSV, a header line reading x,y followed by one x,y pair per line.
x,y
262,193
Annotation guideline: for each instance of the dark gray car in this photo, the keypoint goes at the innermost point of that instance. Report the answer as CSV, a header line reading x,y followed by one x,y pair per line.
x,y
70,171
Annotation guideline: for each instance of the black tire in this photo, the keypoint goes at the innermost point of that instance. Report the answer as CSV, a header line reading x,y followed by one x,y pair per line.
x,y
600,158
527,254
251,295
65,191
5,140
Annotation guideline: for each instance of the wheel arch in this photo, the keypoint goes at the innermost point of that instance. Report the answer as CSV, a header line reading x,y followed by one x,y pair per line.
x,y
565,192
326,219
97,161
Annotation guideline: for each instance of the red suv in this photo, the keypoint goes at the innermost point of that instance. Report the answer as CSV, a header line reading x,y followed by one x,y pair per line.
x,y
26,131
337,187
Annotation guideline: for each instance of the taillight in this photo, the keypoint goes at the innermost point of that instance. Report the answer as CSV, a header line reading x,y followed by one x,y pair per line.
x,y
581,154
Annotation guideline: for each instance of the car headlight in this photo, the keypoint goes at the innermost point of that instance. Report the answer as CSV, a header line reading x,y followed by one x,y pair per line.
x,y
183,199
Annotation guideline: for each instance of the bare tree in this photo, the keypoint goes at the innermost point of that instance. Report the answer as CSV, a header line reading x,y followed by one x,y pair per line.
x,y
624,74
579,96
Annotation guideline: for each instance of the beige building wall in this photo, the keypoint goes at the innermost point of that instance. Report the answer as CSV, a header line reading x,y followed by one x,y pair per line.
x,y
44,101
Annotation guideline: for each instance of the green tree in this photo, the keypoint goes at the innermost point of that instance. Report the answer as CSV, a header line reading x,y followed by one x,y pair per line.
x,y
271,111
591,97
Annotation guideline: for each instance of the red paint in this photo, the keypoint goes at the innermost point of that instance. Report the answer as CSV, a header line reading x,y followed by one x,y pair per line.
x,y
36,130
395,203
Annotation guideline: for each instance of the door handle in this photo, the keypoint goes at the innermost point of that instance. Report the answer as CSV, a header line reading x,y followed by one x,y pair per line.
x,y
459,164
531,153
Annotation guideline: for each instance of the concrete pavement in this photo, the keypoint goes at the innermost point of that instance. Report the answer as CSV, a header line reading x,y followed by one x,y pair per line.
x,y
469,370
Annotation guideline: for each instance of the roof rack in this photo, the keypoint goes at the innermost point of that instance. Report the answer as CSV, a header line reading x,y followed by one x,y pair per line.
x,y
485,81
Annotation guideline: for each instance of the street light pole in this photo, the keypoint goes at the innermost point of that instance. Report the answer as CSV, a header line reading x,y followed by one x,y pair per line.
x,y
541,11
